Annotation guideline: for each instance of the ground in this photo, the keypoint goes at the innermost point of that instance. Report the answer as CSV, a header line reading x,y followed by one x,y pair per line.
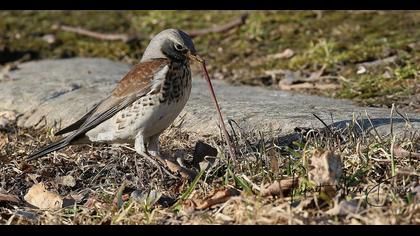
x,y
371,57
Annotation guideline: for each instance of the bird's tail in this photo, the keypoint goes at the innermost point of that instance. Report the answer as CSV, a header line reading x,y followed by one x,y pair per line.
x,y
47,149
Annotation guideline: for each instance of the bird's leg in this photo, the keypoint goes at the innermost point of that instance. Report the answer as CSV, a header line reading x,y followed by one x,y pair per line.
x,y
140,147
140,144
153,146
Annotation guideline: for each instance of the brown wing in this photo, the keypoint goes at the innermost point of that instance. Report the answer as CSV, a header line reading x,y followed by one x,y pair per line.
x,y
137,83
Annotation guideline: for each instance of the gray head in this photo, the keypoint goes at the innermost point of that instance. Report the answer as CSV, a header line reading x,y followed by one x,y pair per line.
x,y
173,44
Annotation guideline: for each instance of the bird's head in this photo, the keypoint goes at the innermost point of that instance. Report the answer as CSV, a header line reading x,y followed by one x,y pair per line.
x,y
173,44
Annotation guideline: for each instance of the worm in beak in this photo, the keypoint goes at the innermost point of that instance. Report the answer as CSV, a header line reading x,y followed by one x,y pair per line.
x,y
213,95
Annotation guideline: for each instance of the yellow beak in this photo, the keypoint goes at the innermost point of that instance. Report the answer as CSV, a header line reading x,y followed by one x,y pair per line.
x,y
195,57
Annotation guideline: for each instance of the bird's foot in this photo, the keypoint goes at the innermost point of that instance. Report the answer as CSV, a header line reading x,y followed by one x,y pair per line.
x,y
154,153
161,166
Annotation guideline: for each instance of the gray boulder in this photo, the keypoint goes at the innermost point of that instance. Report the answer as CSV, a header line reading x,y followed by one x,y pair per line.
x,y
55,93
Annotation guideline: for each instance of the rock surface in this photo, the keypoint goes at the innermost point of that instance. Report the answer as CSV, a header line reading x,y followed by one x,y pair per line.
x,y
58,92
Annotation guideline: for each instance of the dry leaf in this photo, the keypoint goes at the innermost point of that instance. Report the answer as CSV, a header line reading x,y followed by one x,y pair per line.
x,y
220,196
174,167
92,202
188,207
40,197
7,117
202,150
325,170
9,198
402,153
280,188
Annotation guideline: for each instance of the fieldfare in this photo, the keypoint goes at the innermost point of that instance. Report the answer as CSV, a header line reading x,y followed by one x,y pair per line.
x,y
144,103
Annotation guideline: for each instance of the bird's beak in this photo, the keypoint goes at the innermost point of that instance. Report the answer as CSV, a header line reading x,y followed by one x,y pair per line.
x,y
195,57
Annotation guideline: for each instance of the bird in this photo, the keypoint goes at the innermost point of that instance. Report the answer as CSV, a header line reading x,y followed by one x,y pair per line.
x,y
144,103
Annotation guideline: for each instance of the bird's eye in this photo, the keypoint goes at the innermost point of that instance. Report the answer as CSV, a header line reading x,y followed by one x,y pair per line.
x,y
179,47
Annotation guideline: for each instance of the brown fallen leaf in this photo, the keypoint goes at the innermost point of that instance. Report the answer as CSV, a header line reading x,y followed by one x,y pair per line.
x,y
40,197
325,169
218,197
7,117
93,202
188,207
402,153
174,167
280,188
9,198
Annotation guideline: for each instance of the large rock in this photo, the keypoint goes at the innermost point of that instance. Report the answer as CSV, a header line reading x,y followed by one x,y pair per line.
x,y
58,92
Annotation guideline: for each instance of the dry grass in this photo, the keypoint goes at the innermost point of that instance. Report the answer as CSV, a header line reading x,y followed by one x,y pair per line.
x,y
367,188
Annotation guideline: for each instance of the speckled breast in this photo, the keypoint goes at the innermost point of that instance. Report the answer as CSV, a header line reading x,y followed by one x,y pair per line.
x,y
153,113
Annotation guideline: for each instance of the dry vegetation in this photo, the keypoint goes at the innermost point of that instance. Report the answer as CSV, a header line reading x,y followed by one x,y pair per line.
x,y
325,176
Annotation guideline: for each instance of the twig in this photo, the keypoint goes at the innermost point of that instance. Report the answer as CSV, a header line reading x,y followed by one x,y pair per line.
x,y
129,38
111,37
221,28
